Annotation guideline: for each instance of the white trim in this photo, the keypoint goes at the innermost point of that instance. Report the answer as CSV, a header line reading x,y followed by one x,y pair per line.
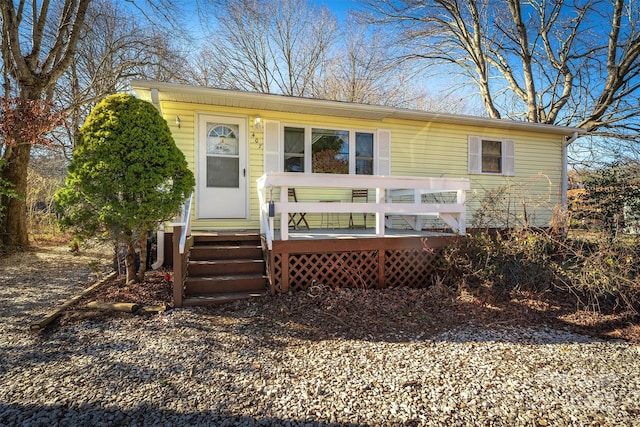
x,y
382,152
508,157
474,161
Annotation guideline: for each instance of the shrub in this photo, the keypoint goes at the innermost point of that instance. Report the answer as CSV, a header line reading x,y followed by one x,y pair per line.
x,y
600,272
126,176
602,276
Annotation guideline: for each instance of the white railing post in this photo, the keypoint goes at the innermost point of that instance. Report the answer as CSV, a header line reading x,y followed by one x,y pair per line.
x,y
417,199
380,212
461,199
266,221
261,201
284,217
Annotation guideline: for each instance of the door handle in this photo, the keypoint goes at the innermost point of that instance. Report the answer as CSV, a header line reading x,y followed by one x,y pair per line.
x,y
244,172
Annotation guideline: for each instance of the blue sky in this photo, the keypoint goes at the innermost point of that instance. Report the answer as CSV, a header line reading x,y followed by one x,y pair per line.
x,y
339,7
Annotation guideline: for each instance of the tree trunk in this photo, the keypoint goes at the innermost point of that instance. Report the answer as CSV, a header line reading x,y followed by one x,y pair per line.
x,y
142,241
130,261
13,227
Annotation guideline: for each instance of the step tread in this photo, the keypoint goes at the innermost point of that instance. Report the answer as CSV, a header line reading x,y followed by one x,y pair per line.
x,y
227,236
226,261
221,298
226,247
226,277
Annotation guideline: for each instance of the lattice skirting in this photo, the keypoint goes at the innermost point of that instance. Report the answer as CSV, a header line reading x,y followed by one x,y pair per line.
x,y
377,268
412,268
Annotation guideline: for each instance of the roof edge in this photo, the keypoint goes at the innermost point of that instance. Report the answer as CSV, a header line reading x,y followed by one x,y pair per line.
x,y
348,109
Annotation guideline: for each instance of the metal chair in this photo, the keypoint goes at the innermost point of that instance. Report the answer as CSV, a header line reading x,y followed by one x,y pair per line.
x,y
359,194
295,218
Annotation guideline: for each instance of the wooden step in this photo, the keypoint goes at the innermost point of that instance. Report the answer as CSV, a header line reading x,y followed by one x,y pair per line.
x,y
221,298
216,239
225,267
224,284
209,252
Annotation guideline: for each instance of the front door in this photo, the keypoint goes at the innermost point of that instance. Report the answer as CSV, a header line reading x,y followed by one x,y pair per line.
x,y
222,173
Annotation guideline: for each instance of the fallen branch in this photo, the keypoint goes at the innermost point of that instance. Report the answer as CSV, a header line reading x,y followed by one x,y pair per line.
x,y
128,307
52,315
147,309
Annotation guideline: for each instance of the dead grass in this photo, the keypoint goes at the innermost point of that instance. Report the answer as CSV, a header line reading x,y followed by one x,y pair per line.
x,y
399,313
371,314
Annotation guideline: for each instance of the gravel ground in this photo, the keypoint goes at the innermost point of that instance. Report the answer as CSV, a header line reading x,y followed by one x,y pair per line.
x,y
294,360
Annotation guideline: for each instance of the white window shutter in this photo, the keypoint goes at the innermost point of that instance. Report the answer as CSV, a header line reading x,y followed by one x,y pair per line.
x,y
475,154
383,152
271,146
508,157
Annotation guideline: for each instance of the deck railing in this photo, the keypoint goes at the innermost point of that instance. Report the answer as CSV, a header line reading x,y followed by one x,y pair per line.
x,y
182,242
386,189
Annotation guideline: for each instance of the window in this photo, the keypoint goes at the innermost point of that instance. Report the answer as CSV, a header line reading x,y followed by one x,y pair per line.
x,y
364,153
322,150
491,156
293,149
330,150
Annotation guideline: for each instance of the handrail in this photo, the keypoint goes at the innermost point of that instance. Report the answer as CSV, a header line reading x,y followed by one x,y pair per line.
x,y
452,213
266,223
185,223
181,252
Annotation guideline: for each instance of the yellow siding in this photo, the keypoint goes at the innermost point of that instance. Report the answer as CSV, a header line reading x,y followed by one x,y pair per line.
x,y
417,149
441,150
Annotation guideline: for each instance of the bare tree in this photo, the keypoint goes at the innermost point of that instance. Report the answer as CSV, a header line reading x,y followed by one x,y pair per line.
x,y
363,69
35,53
360,70
205,70
39,42
568,62
270,47
113,49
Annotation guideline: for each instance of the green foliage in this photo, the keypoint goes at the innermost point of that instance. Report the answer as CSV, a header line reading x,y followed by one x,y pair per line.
x,y
126,174
6,188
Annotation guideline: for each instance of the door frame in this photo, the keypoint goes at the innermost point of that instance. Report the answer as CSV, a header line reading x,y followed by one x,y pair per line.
x,y
200,150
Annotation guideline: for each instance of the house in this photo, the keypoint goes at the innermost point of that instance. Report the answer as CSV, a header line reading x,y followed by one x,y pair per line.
x,y
290,166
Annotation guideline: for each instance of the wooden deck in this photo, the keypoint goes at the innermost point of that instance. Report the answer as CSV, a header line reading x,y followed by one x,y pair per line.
x,y
339,258
378,257
355,258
